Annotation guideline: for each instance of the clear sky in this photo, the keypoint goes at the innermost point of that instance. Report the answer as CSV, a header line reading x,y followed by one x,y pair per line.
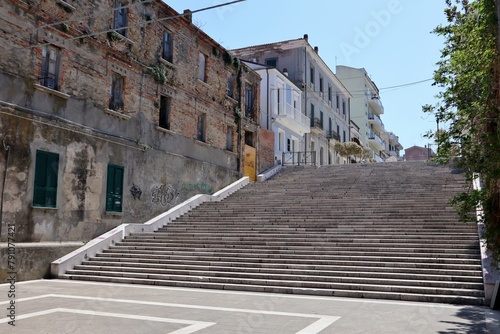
x,y
391,39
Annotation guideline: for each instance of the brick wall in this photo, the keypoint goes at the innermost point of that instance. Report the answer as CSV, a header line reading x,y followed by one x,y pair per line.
x,y
266,156
75,122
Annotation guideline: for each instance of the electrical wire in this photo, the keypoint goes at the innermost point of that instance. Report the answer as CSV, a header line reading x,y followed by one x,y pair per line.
x,y
93,34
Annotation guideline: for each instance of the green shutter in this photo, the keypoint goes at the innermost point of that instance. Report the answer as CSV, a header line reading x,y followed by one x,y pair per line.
x,y
46,172
114,189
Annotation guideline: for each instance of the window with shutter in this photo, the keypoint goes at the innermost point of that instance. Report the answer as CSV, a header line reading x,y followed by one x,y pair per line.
x,y
114,189
46,172
116,100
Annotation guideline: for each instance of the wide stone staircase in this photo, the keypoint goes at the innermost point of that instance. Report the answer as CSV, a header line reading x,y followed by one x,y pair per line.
x,y
363,230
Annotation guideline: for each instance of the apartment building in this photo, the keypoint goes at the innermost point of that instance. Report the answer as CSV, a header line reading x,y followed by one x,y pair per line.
x,y
112,112
281,113
366,111
325,100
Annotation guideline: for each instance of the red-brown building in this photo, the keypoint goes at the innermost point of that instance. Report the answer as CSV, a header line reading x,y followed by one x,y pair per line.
x,y
112,112
417,153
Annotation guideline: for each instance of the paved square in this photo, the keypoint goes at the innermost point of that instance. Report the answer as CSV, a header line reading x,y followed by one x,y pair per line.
x,y
64,306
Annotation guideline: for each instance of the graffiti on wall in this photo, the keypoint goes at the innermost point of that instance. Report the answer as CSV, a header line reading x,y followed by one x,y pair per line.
x,y
136,192
196,187
164,195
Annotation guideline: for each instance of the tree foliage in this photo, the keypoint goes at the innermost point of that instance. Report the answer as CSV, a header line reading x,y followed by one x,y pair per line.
x,y
469,107
349,149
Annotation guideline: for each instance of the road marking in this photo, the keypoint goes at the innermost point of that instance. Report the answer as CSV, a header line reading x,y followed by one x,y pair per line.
x,y
266,294
323,320
193,327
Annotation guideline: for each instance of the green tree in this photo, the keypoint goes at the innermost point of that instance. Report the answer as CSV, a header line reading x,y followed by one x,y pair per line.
x,y
469,107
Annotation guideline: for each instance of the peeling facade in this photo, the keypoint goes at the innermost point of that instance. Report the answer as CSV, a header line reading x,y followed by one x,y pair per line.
x,y
112,112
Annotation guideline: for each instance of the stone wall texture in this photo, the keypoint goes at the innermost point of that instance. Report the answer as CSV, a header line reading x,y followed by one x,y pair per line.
x,y
162,167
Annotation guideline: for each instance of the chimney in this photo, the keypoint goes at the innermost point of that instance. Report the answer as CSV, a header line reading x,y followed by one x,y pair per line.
x,y
316,49
188,15
285,71
306,37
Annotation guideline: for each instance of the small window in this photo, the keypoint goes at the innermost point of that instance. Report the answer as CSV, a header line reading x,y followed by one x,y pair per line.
x,y
343,108
46,170
114,189
329,93
229,139
167,47
338,101
230,85
321,85
289,145
312,115
116,100
201,127
164,121
272,62
120,18
202,67
249,138
281,140
344,137
50,67
249,102
311,75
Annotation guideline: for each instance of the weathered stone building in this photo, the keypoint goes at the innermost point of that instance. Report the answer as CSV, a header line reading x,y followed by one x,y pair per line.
x,y
112,112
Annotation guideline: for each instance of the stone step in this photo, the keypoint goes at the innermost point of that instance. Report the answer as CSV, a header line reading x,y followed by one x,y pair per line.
x,y
464,269
358,243
299,258
309,251
282,288
300,235
338,271
402,281
372,231
312,282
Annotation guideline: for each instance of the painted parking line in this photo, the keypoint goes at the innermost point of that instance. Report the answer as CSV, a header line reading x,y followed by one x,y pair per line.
x,y
322,321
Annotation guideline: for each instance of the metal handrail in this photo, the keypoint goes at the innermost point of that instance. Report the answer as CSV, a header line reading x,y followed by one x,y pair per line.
x,y
298,158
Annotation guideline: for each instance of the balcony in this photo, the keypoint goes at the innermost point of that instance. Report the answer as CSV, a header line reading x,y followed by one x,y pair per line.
x,y
317,126
293,119
376,105
376,142
375,120
394,141
332,135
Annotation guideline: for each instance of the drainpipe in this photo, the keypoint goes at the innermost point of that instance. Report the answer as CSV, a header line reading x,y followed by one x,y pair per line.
x,y
268,118
7,150
349,124
239,125
305,102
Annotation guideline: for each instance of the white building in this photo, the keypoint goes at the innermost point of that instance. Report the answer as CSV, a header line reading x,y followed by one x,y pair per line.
x,y
366,111
280,110
325,100
393,147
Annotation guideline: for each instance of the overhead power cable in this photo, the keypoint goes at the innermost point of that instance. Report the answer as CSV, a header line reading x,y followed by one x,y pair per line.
x,y
92,34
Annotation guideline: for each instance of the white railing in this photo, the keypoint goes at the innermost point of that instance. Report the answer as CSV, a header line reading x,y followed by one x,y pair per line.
x,y
97,245
294,114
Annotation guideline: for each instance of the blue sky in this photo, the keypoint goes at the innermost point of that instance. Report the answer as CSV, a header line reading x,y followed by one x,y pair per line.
x,y
391,39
